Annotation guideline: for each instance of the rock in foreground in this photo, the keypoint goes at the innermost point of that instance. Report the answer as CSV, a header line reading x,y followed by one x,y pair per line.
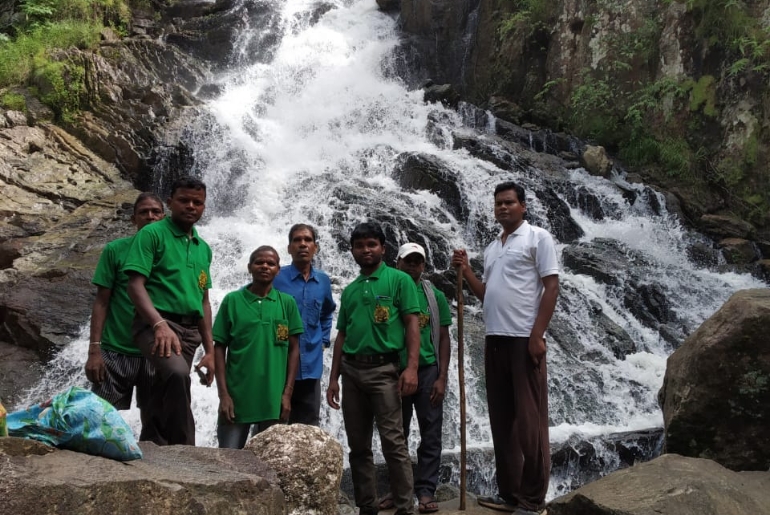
x,y
717,385
308,462
169,480
671,485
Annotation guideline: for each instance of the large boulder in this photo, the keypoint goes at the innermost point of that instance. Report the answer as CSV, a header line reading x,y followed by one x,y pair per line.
x,y
717,385
596,161
673,485
168,480
308,462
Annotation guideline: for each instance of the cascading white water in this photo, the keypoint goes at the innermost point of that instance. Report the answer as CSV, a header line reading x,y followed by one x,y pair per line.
x,y
314,135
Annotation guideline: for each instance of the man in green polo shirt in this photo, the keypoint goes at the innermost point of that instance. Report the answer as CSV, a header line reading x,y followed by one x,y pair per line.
x,y
168,268
115,366
258,328
435,319
377,320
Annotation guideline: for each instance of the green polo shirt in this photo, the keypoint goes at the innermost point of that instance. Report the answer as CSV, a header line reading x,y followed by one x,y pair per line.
x,y
176,267
427,352
116,335
371,308
255,331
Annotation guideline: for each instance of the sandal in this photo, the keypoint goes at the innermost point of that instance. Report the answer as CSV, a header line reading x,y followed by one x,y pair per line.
x,y
386,502
428,506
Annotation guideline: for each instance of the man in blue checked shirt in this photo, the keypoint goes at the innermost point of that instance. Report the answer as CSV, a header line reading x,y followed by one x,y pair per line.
x,y
311,289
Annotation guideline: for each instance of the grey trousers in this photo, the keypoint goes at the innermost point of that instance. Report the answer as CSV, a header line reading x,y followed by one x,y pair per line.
x,y
430,419
370,395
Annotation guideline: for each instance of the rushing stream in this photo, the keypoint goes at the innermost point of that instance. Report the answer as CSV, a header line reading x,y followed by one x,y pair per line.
x,y
312,130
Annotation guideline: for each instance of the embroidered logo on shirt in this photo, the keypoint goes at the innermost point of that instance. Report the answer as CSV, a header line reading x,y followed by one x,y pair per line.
x,y
381,314
282,332
202,279
424,320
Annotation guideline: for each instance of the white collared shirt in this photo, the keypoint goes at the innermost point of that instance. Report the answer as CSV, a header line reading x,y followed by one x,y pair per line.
x,y
512,275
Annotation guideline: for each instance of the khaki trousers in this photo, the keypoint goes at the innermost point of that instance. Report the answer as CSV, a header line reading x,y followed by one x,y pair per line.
x,y
370,395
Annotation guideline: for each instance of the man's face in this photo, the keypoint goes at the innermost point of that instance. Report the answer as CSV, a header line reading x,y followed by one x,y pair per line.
x,y
146,212
368,252
302,247
413,264
187,205
264,266
508,209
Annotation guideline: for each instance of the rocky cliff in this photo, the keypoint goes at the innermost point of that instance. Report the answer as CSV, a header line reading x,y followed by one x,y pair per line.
x,y
69,179
675,89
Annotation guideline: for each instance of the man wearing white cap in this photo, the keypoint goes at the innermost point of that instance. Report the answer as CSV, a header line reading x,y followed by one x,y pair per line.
x,y
435,319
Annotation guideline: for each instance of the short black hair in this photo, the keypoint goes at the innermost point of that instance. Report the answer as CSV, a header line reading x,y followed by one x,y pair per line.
x,y
299,227
187,182
264,248
147,196
510,185
367,230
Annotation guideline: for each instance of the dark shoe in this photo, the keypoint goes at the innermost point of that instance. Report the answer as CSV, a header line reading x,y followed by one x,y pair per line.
x,y
496,503
368,511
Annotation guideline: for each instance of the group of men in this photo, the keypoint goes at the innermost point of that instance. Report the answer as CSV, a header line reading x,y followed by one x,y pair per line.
x,y
265,348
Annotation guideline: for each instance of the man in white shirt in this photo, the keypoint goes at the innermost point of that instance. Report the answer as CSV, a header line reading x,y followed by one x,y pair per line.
x,y
519,291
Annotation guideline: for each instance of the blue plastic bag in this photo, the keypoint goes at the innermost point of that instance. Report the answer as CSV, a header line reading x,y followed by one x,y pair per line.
x,y
78,420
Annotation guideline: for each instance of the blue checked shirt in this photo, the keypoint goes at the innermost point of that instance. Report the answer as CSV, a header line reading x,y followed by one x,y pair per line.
x,y
316,307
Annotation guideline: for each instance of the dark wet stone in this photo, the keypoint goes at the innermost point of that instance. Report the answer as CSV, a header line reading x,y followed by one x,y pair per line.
x,y
563,227
424,172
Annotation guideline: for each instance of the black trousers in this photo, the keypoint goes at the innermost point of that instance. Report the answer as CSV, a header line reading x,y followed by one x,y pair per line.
x,y
429,419
169,419
517,394
306,402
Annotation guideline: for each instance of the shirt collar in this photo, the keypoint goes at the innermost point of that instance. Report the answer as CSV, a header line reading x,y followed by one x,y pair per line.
x,y
375,275
272,295
295,273
179,232
522,229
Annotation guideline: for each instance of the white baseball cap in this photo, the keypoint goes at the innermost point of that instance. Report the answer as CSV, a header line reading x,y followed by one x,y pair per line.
x,y
410,248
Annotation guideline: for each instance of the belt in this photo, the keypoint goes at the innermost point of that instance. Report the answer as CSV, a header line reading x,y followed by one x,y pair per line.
x,y
180,319
374,359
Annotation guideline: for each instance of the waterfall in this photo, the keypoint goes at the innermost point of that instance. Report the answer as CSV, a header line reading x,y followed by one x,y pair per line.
x,y
313,131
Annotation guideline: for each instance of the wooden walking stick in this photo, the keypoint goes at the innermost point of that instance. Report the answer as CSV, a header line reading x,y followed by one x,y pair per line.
x,y
461,378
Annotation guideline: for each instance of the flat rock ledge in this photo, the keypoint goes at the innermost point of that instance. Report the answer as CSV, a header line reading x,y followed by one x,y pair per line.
x,y
168,480
670,485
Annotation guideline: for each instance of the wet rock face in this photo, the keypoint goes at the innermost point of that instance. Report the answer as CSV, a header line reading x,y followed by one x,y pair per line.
x,y
20,369
563,227
423,172
308,463
717,384
213,37
168,480
389,5
623,270
61,203
726,226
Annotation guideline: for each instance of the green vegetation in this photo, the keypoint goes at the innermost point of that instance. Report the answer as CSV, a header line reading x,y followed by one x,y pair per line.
x,y
13,101
29,53
528,16
732,26
703,95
